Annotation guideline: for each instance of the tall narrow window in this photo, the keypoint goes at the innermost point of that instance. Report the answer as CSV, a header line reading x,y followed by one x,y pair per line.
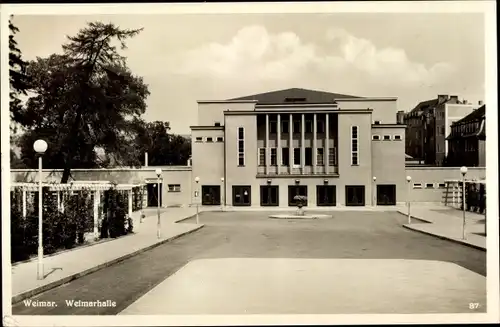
x,y
296,126
285,157
241,146
284,126
320,157
354,146
296,156
262,156
332,158
274,161
309,126
273,126
308,156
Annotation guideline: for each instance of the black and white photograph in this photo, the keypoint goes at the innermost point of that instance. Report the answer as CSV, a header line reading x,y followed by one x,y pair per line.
x,y
245,163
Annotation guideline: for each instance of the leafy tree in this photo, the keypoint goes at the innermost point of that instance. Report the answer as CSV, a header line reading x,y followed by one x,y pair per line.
x,y
17,77
85,98
163,148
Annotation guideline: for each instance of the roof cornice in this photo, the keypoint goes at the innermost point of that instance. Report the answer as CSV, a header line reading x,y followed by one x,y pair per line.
x,y
226,101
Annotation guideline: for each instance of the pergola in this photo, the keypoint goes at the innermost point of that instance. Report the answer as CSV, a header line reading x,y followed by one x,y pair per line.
x,y
93,186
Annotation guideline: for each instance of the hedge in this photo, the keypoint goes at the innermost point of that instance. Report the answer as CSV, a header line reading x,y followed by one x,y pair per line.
x,y
63,230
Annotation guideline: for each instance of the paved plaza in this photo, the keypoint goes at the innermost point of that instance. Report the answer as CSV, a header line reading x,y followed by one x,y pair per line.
x,y
356,235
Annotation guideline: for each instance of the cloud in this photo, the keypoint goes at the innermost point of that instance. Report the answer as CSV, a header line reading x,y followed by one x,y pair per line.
x,y
255,56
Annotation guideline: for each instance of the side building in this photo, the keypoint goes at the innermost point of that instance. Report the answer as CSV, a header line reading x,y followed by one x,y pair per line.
x,y
262,150
428,124
467,140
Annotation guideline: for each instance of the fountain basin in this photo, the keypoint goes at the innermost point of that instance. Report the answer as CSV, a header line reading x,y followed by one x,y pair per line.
x,y
304,216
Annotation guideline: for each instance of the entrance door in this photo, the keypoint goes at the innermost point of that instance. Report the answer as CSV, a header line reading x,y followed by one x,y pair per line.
x,y
355,195
210,195
153,194
326,195
241,195
294,190
269,195
386,195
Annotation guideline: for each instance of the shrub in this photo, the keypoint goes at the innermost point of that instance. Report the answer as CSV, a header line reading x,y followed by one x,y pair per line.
x,y
115,213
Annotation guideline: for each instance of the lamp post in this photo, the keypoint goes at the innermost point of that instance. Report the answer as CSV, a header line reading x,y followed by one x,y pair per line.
x,y
222,194
408,180
40,146
197,180
463,170
158,225
373,191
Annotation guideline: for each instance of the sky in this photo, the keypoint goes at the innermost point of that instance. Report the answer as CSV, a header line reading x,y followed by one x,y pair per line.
x,y
190,57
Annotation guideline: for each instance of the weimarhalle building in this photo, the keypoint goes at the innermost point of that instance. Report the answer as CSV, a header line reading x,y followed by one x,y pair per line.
x,y
263,149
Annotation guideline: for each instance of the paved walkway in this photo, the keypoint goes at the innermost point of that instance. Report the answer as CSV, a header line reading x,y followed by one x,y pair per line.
x,y
66,266
447,223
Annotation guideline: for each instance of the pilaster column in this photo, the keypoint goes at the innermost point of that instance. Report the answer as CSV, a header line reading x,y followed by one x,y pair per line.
x,y
327,143
302,147
24,202
268,154
58,193
290,146
278,146
96,213
315,144
130,203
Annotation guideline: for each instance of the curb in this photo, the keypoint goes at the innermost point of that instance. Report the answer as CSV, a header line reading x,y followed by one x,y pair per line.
x,y
477,247
425,221
27,294
186,218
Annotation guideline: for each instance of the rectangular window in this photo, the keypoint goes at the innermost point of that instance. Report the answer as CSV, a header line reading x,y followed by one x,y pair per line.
x,y
332,157
199,139
285,157
320,158
397,137
309,126
274,160
417,185
296,127
321,127
174,187
262,156
217,124
296,156
354,146
377,122
309,156
387,137
273,127
441,185
429,185
241,146
284,126
375,137
209,139
220,139
269,195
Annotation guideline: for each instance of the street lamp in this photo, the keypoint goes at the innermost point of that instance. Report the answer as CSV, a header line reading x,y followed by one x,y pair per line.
x,y
463,170
222,194
408,180
40,146
373,190
197,180
158,226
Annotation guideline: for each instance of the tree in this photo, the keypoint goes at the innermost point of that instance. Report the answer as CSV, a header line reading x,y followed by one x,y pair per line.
x,y
17,77
163,148
85,98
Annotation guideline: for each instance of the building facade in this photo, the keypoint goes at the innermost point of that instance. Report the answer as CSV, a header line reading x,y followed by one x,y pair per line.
x,y
265,149
428,124
467,140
